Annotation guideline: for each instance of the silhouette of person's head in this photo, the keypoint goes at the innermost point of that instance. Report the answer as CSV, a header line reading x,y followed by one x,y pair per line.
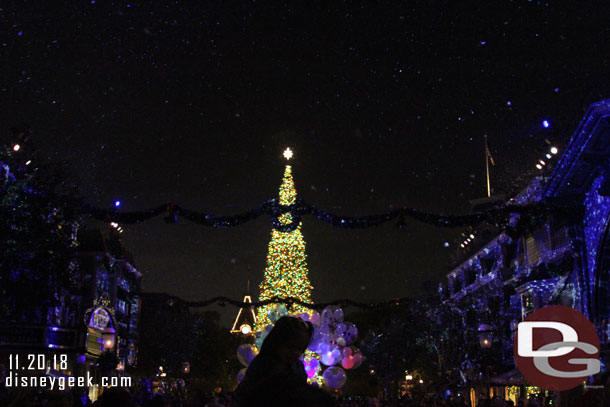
x,y
116,396
287,340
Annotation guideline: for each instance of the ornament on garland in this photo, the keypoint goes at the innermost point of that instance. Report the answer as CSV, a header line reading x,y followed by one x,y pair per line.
x,y
171,213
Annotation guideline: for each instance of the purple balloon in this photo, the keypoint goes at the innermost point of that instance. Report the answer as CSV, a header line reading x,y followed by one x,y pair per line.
x,y
334,377
317,339
329,354
350,334
246,354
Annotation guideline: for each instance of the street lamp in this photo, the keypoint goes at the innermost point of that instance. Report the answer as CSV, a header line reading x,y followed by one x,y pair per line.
x,y
485,336
485,340
109,337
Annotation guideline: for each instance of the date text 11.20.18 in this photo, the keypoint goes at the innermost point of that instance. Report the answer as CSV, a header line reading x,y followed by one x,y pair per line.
x,y
37,361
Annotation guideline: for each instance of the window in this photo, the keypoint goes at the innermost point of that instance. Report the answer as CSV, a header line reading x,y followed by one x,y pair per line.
x,y
122,306
527,304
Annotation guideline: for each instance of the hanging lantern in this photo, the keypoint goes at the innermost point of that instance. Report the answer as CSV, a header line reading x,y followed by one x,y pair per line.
x,y
109,338
485,336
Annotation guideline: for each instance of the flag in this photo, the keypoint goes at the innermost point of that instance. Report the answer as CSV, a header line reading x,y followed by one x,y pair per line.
x,y
491,158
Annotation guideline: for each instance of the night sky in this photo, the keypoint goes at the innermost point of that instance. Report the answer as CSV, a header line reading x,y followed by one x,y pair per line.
x,y
383,104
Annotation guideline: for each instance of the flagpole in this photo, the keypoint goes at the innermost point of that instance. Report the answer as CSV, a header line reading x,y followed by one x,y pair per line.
x,y
487,167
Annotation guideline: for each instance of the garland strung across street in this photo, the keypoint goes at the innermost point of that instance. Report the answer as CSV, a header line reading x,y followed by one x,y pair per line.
x,y
531,214
222,301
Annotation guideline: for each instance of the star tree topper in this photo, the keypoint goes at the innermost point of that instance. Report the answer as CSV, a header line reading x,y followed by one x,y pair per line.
x,y
288,154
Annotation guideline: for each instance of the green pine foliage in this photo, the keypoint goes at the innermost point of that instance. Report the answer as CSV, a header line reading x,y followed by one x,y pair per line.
x,y
37,237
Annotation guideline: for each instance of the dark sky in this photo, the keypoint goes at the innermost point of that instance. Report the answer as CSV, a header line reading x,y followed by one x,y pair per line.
x,y
383,104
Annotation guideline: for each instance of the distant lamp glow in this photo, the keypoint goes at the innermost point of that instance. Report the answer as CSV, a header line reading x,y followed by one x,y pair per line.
x,y
462,245
539,166
485,336
288,153
421,381
541,162
16,147
545,124
446,244
409,377
117,203
548,156
554,150
28,162
108,336
471,236
245,329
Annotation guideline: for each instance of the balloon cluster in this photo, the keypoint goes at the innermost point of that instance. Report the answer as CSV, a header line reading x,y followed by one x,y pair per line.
x,y
332,341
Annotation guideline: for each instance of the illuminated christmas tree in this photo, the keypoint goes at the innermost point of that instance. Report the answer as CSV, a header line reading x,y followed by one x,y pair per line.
x,y
286,272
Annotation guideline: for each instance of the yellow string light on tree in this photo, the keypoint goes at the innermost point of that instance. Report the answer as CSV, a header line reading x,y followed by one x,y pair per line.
x,y
286,274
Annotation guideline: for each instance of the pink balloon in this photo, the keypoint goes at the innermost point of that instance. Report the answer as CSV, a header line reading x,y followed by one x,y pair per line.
x,y
348,362
312,366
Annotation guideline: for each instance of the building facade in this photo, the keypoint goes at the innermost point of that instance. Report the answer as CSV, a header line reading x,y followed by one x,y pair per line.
x,y
110,295
107,297
559,260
